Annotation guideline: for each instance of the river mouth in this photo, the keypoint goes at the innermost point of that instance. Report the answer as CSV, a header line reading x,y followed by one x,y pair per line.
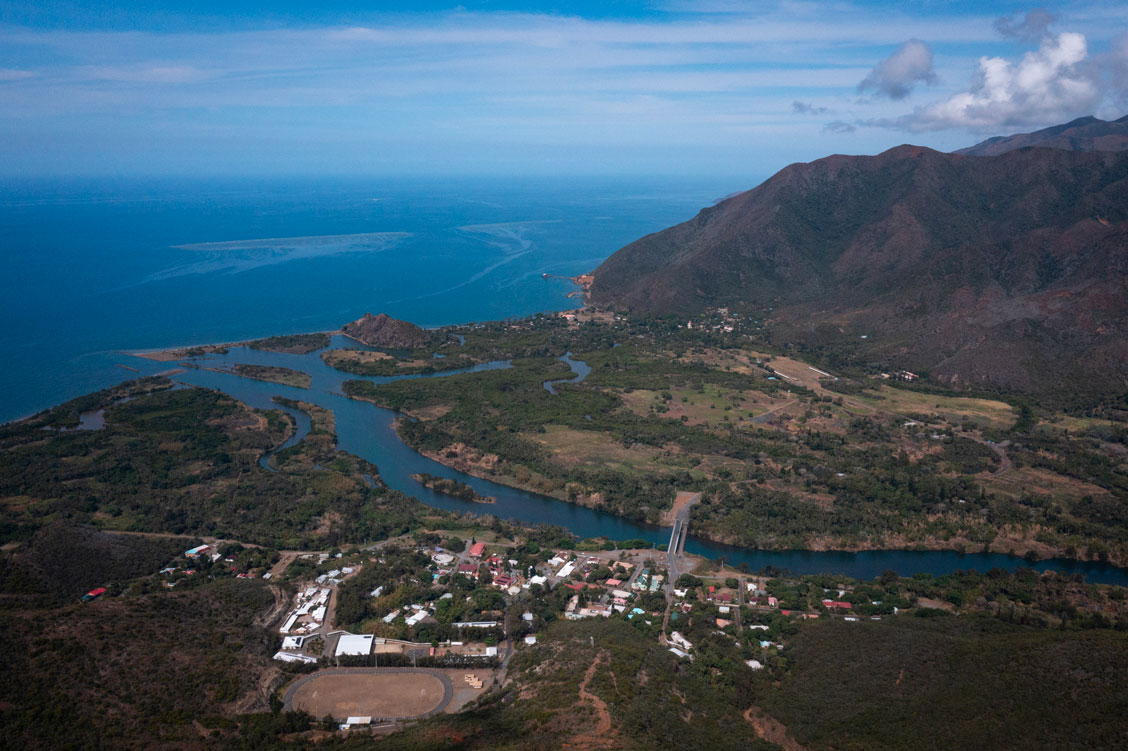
x,y
367,431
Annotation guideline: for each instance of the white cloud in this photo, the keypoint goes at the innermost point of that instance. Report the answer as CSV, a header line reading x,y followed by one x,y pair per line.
x,y
159,74
1032,27
1049,85
895,76
14,74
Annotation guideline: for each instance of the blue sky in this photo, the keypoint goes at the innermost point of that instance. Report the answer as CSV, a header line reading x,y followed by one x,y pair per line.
x,y
501,88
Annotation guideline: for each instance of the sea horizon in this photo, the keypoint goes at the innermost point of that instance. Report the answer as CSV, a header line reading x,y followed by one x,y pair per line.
x,y
285,256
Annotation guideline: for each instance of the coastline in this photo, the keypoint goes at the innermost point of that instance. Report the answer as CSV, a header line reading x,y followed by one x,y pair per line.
x,y
1004,545
175,352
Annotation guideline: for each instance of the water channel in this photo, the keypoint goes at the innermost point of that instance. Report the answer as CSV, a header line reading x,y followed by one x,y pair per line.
x,y
366,430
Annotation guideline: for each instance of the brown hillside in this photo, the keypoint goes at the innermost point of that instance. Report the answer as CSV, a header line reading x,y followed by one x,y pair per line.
x,y
384,331
1010,271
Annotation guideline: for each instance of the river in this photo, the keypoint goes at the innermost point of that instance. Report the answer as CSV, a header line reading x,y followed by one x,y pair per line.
x,y
366,430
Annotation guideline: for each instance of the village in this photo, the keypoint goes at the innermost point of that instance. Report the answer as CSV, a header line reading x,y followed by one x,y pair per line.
x,y
526,592
370,637
464,607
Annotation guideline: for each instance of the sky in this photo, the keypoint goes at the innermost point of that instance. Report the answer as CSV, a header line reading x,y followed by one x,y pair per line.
x,y
669,87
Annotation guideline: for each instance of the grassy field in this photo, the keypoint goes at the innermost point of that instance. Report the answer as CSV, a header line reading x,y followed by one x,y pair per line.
x,y
986,412
709,405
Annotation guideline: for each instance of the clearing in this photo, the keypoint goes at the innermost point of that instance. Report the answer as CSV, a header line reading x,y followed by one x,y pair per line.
x,y
375,692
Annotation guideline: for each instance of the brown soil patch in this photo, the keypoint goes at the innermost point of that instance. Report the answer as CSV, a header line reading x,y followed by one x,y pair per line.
x,y
600,736
429,413
464,458
771,730
370,694
926,602
681,500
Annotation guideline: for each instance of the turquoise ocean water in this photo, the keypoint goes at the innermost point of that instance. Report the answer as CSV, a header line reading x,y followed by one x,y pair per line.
x,y
94,268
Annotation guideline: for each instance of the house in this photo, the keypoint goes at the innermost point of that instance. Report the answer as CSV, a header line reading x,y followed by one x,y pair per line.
x,y
477,549
680,641
197,551
504,581
531,639
754,664
93,594
836,604
468,569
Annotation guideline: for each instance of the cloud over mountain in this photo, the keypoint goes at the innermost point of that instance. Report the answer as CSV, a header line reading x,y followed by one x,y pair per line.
x,y
895,76
1048,84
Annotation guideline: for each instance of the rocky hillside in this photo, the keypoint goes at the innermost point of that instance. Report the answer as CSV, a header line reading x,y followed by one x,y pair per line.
x,y
1009,271
384,331
1082,134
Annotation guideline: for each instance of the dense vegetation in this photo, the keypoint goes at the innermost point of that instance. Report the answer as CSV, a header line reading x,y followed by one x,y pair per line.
x,y
781,464
910,683
298,344
450,487
185,461
162,669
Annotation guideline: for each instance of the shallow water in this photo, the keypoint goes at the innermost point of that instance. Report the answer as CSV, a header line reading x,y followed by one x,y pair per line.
x,y
92,269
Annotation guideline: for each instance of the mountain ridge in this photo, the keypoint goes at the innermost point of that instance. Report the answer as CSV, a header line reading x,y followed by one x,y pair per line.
x,y
998,272
1083,134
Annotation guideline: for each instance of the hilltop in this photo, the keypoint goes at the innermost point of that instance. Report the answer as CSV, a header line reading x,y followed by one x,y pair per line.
x,y
384,331
1082,134
1003,272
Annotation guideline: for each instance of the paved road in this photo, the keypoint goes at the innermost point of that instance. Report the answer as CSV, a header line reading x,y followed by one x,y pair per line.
x,y
673,556
448,687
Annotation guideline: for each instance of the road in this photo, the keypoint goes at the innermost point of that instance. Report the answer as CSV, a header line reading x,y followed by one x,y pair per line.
x,y
678,533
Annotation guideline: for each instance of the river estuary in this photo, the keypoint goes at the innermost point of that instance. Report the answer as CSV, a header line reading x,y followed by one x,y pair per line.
x,y
366,430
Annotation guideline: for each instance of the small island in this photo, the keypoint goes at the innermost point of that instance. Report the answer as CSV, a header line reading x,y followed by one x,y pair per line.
x,y
274,374
452,488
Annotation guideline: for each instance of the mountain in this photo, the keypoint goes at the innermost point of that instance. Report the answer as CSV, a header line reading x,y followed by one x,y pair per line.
x,y
1009,271
384,331
1083,134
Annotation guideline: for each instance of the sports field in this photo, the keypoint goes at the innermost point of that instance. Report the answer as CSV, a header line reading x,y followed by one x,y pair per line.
x,y
381,694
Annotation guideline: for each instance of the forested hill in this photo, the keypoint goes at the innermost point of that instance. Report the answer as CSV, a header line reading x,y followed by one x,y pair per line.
x,y
1007,271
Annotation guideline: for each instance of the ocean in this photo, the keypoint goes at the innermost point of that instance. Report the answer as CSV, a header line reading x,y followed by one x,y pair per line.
x,y
93,269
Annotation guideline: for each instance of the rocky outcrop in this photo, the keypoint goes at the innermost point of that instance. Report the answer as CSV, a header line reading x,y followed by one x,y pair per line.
x,y
384,331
